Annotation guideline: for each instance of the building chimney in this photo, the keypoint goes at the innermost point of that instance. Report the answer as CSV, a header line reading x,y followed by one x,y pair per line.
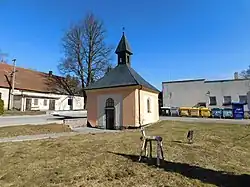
x,y
50,73
236,75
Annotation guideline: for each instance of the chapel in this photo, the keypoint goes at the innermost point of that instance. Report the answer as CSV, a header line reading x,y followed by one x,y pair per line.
x,y
122,98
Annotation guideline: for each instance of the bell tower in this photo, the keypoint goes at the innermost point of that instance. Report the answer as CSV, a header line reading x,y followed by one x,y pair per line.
x,y
123,51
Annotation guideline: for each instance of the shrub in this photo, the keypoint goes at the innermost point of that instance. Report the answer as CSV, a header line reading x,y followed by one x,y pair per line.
x,y
1,107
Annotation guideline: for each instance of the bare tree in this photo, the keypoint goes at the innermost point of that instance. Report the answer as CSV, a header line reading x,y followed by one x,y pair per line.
x,y
86,55
245,73
68,85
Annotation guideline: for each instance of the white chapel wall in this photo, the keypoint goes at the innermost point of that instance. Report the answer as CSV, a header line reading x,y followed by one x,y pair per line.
x,y
153,115
101,116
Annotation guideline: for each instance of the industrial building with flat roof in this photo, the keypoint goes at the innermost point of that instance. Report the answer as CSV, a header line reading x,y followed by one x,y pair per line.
x,y
200,92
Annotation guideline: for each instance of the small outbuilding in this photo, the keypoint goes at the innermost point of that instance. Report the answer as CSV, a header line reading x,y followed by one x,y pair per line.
x,y
122,98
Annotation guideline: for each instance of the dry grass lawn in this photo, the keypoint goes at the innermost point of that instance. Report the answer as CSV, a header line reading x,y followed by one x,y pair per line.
x,y
32,129
218,157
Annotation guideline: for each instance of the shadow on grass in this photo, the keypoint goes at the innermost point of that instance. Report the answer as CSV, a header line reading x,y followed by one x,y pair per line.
x,y
179,142
219,178
182,142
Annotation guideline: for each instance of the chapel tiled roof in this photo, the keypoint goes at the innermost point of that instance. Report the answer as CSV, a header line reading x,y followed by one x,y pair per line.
x,y
121,75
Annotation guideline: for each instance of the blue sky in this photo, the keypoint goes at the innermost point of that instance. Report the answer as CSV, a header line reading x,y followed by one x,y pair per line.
x,y
171,39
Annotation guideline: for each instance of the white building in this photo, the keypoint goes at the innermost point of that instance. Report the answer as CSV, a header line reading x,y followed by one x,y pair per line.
x,y
35,90
213,94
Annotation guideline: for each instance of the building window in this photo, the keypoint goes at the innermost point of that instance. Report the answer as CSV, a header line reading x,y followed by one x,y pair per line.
x,y
212,100
110,103
45,102
243,99
148,105
35,101
70,102
227,100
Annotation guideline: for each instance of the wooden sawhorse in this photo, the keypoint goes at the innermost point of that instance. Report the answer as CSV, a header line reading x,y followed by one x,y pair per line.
x,y
150,139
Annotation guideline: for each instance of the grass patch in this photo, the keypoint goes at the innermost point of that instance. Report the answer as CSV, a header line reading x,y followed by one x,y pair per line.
x,y
32,129
216,158
19,113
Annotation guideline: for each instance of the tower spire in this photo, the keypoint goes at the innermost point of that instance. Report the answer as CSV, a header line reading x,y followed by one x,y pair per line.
x,y
123,50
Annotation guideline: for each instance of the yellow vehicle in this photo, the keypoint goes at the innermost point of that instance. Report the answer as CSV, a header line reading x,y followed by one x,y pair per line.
x,y
194,112
205,112
184,111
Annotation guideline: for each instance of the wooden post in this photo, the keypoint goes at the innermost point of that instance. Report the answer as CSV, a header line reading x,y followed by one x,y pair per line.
x,y
190,135
142,149
150,149
146,149
158,154
162,156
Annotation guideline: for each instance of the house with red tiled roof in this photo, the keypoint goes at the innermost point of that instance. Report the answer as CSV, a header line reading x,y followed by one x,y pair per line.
x,y
34,90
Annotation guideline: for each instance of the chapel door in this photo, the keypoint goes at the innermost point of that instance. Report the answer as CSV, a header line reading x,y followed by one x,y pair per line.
x,y
110,114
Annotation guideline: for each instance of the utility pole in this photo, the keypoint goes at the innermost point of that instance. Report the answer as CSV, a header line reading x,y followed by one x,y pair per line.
x,y
13,83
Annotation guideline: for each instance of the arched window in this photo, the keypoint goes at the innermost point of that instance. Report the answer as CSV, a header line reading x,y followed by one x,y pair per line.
x,y
110,103
148,105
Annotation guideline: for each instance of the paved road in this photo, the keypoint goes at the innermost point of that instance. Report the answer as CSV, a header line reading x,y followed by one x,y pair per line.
x,y
45,119
206,120
66,113
23,120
